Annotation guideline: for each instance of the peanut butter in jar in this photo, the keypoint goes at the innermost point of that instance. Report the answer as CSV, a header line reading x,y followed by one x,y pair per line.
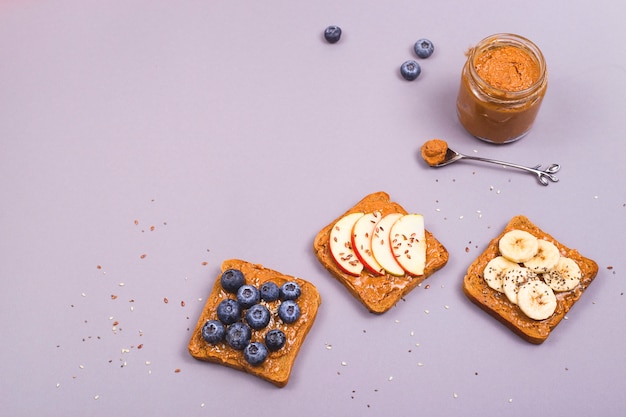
x,y
503,83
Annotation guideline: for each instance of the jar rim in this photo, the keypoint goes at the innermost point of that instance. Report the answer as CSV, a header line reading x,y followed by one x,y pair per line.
x,y
507,39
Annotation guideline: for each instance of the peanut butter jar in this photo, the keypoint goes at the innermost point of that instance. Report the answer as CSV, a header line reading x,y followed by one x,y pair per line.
x,y
503,83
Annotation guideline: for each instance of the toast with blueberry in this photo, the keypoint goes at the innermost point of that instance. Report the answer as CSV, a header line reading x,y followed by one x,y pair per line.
x,y
255,320
379,251
528,280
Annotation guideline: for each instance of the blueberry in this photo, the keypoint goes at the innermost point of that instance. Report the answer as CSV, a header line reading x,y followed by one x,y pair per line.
x,y
289,311
238,335
255,353
275,339
332,34
228,311
232,279
248,295
269,291
410,70
213,331
258,316
290,290
424,48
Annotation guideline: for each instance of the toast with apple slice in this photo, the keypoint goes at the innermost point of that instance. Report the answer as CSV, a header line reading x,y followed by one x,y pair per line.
x,y
280,350
500,303
381,282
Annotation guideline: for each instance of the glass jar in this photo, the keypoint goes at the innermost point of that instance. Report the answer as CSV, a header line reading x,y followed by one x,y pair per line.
x,y
503,83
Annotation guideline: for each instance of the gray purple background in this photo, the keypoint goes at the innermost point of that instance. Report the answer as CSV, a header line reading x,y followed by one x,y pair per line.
x,y
237,132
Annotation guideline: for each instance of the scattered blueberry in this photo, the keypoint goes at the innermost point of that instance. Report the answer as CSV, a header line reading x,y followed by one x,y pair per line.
x,y
238,335
213,331
275,339
332,34
289,311
248,295
424,48
255,353
290,290
258,316
269,291
232,279
410,70
228,311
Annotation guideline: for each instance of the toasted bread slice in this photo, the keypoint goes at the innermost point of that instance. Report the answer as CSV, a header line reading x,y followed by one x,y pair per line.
x,y
278,365
497,304
378,293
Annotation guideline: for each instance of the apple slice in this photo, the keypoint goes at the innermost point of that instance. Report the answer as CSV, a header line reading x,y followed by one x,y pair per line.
x,y
362,233
381,247
341,244
408,243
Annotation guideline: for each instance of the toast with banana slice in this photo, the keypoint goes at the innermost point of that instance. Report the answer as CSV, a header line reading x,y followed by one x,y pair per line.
x,y
255,320
379,269
528,280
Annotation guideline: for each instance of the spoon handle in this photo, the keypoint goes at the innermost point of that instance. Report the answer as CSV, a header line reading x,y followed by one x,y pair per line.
x,y
542,175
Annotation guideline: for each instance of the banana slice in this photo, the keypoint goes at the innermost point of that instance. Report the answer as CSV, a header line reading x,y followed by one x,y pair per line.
x,y
513,279
494,272
537,300
518,246
564,276
546,258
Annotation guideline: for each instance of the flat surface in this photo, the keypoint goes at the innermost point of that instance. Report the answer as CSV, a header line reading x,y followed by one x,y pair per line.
x,y
142,143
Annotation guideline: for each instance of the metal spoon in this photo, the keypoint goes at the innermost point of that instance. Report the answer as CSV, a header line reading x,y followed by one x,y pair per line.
x,y
542,175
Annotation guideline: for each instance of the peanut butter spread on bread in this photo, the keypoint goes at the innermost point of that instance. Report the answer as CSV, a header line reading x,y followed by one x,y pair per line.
x,y
278,365
497,304
379,293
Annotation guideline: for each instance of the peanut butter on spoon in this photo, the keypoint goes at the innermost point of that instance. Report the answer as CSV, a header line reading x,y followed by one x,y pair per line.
x,y
434,151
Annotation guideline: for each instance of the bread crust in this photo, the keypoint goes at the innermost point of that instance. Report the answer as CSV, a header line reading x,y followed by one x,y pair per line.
x,y
497,304
378,293
278,365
